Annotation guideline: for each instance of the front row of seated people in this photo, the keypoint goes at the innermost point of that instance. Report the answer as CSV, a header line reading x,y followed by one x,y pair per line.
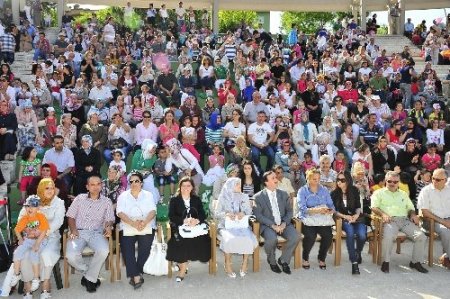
x,y
91,218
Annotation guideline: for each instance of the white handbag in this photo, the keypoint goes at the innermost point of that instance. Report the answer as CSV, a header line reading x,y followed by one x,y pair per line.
x,y
128,230
237,224
189,232
156,263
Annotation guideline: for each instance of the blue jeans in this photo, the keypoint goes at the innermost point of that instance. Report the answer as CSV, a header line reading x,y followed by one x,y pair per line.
x,y
256,154
39,53
352,229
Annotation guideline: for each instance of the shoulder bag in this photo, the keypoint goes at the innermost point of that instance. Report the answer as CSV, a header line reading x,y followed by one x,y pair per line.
x,y
189,232
156,263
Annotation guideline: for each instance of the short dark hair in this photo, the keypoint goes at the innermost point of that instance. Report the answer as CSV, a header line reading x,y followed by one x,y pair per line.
x,y
266,175
138,174
57,137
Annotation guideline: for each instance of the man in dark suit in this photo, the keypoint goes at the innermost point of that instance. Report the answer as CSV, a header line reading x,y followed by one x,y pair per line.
x,y
274,211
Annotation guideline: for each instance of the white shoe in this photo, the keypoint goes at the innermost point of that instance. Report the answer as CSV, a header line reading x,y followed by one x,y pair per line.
x,y
27,296
15,279
35,284
45,295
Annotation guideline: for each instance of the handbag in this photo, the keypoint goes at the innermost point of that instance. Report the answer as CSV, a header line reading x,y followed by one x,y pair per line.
x,y
318,219
156,263
128,230
117,143
237,224
189,232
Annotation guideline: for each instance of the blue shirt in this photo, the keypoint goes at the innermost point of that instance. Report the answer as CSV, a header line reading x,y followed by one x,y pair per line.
x,y
307,199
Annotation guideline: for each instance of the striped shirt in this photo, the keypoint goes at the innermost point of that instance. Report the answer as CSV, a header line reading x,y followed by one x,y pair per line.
x,y
91,214
7,42
230,51
214,136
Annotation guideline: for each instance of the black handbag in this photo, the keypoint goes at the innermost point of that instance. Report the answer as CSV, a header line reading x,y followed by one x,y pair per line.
x,y
117,143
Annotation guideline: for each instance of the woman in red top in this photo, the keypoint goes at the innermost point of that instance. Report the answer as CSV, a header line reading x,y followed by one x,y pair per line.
x,y
222,93
394,136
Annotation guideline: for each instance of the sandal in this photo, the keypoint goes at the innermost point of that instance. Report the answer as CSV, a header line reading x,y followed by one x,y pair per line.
x,y
179,279
306,265
322,265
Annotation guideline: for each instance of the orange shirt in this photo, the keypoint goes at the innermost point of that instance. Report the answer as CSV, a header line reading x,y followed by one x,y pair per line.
x,y
37,222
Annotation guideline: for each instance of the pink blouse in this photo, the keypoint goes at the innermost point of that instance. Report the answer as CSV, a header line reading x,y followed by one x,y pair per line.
x,y
167,134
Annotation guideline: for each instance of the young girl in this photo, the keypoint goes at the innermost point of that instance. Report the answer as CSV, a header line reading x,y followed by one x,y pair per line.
x,y
55,87
216,167
189,136
137,110
117,156
431,160
399,112
340,163
30,166
298,113
50,123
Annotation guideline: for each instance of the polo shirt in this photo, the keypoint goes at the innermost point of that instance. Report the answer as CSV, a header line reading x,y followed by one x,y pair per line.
x,y
395,204
370,135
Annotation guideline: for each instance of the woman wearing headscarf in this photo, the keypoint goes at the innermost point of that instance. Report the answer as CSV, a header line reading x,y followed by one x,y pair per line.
x,y
28,131
214,131
112,186
53,209
87,163
190,107
208,109
74,106
304,134
97,131
143,161
240,151
234,205
8,127
186,163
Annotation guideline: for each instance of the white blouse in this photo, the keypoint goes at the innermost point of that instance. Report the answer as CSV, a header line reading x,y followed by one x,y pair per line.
x,y
136,208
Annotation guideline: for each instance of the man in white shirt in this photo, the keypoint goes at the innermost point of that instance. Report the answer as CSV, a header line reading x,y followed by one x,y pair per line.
x,y
296,71
99,91
63,159
151,15
260,134
180,12
434,203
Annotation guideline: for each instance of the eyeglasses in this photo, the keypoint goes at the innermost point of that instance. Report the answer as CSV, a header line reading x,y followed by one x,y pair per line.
x,y
392,182
437,179
342,180
134,181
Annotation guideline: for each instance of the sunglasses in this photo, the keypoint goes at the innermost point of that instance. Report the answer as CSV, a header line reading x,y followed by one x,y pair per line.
x,y
342,180
146,116
438,179
134,181
392,182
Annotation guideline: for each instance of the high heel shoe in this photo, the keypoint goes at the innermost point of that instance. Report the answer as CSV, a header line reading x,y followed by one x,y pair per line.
x,y
231,274
243,272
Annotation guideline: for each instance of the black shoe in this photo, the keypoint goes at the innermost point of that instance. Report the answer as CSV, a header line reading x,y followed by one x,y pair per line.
x,y
285,267
385,267
98,283
90,286
275,268
358,257
418,266
355,269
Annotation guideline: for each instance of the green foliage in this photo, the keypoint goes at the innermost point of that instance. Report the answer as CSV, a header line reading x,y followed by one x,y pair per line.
x,y
232,19
102,15
50,9
383,30
307,22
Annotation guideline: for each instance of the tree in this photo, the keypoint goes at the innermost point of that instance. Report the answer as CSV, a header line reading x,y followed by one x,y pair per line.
x,y
307,22
233,19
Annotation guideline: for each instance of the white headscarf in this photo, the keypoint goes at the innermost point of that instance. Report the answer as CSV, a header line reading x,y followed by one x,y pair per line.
x,y
227,194
147,146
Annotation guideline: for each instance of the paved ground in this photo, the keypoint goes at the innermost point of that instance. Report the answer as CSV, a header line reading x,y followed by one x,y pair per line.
x,y
335,282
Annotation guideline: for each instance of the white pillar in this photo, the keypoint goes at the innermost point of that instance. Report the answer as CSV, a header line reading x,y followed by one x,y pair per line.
x,y
15,8
215,16
362,5
401,23
60,12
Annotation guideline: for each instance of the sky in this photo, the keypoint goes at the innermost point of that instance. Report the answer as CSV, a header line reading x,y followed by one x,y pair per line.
x,y
382,17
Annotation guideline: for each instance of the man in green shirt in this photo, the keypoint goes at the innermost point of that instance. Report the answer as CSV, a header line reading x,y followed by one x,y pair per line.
x,y
379,85
397,212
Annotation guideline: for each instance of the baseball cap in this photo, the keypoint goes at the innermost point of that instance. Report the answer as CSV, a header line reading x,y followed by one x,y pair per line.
x,y
32,201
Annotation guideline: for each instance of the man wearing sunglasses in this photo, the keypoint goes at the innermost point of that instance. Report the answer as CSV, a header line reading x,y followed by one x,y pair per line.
x,y
397,212
434,203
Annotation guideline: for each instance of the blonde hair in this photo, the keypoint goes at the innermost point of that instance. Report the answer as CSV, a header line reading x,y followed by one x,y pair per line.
x,y
324,158
311,172
358,167
44,183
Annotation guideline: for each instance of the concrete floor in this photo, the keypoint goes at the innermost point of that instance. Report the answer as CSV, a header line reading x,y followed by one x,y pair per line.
x,y
335,282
